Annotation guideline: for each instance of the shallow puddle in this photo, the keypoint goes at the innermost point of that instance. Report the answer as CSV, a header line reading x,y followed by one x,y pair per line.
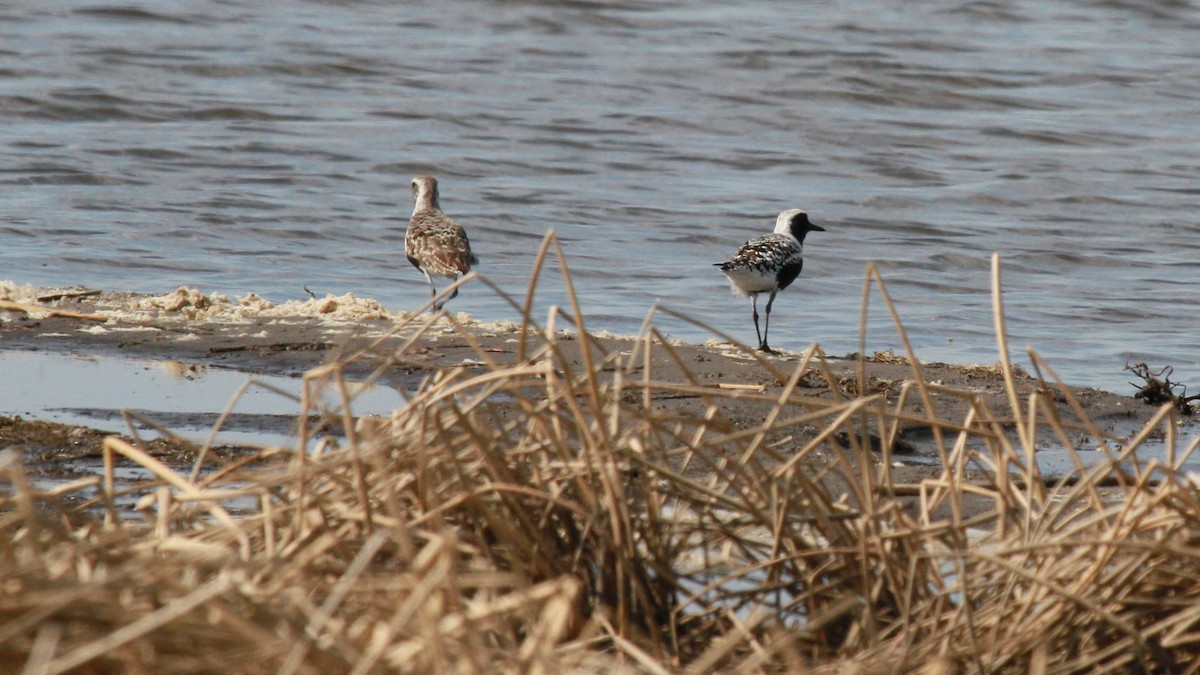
x,y
186,398
1056,463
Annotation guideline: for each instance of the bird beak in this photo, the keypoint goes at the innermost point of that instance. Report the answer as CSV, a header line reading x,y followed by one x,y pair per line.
x,y
818,228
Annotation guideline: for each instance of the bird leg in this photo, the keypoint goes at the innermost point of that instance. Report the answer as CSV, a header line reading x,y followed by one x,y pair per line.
x,y
433,294
440,305
764,347
754,309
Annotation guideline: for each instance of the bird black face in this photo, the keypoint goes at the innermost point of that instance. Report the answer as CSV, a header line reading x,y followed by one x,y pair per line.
x,y
800,226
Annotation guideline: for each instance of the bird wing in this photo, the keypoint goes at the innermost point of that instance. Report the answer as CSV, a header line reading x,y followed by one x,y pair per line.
x,y
438,244
770,250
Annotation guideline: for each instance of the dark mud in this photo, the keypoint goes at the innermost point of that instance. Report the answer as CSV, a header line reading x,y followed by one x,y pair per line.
x,y
282,344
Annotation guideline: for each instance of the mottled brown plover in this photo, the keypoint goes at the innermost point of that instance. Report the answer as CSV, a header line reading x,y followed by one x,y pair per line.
x,y
770,264
434,243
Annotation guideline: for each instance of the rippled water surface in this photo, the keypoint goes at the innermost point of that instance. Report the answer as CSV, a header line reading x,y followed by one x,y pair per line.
x,y
238,146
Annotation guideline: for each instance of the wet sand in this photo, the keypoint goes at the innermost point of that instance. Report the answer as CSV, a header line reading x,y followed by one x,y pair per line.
x,y
252,335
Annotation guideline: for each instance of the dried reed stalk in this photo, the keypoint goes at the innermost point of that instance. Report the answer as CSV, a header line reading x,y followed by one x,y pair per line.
x,y
550,514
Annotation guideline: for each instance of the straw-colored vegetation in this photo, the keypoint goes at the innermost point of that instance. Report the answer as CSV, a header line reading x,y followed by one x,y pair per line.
x,y
541,516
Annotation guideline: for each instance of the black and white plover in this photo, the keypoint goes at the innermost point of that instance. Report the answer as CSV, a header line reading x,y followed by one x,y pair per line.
x,y
770,264
434,243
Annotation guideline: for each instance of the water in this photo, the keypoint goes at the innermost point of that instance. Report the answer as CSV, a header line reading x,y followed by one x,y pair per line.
x,y
187,399
266,147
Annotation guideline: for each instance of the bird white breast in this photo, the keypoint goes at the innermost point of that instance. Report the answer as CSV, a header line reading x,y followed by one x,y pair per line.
x,y
752,279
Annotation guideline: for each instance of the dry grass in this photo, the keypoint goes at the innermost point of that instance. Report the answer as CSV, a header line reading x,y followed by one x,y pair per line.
x,y
545,516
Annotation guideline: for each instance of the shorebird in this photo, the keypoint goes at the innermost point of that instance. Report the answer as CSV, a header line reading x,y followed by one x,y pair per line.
x,y
434,243
770,264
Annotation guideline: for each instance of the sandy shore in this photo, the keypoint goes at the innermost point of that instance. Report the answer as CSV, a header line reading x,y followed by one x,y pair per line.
x,y
253,335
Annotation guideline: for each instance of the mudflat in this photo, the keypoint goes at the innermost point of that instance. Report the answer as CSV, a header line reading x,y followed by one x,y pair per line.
x,y
400,350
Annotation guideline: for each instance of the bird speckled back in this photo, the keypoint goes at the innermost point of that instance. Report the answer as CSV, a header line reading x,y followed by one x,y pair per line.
x,y
434,243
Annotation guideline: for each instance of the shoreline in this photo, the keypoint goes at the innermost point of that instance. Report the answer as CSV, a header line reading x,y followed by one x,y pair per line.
x,y
252,335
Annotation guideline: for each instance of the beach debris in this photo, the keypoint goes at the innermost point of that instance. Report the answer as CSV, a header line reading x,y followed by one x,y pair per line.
x,y
195,304
38,311
851,387
1157,388
69,295
183,298
889,356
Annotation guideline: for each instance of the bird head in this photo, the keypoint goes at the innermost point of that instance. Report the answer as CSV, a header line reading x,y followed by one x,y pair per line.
x,y
425,192
795,222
